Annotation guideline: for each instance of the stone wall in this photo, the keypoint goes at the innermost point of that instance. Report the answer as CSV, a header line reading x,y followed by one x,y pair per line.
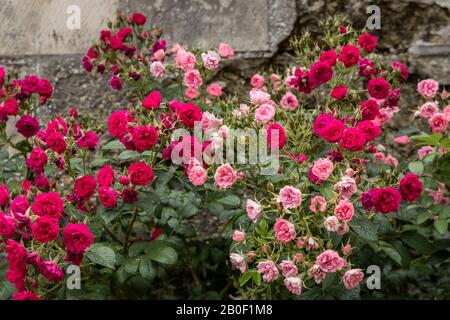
x,y
35,37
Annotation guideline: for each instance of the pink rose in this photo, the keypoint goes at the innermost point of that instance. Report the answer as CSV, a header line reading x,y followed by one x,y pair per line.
x,y
211,60
289,101
424,151
428,88
346,187
257,81
331,223
269,270
193,79
238,236
329,261
288,268
197,175
265,113
191,93
402,140
290,197
317,273
225,51
157,69
253,210
428,109
343,229
225,176
238,262
284,230
322,168
438,122
318,200
447,112
344,210
210,122
258,97
294,285
214,90
352,278
184,59
347,249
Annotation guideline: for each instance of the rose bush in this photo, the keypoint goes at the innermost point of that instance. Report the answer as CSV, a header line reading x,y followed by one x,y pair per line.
x,y
123,198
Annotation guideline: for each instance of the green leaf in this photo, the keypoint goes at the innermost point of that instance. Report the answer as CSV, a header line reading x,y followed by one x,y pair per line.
x,y
128,155
146,269
424,216
441,226
114,145
417,242
246,277
391,252
257,278
231,200
161,252
102,255
426,139
363,227
416,167
98,162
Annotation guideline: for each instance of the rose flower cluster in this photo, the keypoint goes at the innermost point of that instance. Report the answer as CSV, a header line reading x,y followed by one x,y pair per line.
x,y
340,103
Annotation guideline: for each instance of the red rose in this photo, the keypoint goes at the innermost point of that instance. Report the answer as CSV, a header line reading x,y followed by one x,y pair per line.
x,y
116,42
2,75
88,141
129,195
367,68
152,101
27,125
105,176
320,73
410,187
116,83
349,55
144,137
368,42
7,225
321,123
370,130
4,195
117,123
370,109
353,139
189,113
339,92
329,57
396,65
85,187
329,128
107,197
138,18
77,238
333,131
45,229
385,200
379,88
48,204
140,173
276,130
11,107
124,32
56,142
25,295
37,160
41,182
